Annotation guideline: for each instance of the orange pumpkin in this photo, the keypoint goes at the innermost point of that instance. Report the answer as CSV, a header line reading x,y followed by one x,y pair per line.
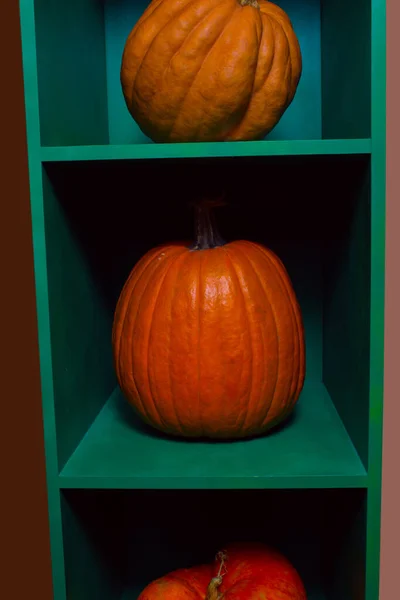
x,y
208,339
210,70
241,572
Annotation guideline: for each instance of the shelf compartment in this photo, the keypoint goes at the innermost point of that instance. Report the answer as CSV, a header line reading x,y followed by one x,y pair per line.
x,y
116,542
206,150
79,48
98,225
312,450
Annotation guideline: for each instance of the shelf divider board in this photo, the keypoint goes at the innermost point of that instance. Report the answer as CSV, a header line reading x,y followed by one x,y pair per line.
x,y
206,150
313,450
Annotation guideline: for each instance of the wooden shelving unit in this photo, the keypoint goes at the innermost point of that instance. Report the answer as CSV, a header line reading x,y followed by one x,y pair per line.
x,y
127,504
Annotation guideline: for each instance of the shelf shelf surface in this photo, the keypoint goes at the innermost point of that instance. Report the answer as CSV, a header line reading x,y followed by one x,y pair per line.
x,y
205,150
313,449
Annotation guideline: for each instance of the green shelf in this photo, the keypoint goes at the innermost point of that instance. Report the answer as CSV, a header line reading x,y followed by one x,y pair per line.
x,y
125,503
206,150
313,450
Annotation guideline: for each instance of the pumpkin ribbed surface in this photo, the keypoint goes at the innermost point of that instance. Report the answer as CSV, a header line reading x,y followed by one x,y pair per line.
x,y
210,70
210,342
251,572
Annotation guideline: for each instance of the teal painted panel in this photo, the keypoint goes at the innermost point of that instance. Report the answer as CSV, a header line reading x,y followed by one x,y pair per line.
x,y
302,120
346,68
83,376
347,291
207,150
71,64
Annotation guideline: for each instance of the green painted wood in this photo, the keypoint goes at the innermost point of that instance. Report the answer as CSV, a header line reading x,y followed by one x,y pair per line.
x,y
71,64
346,68
347,284
377,306
207,150
301,121
89,549
346,576
80,325
118,451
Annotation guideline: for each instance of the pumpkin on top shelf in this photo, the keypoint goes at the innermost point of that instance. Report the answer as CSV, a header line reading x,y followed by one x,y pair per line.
x,y
208,338
241,572
210,70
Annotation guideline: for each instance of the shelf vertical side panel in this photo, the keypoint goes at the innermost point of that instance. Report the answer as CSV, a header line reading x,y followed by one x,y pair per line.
x,y
41,291
71,63
378,216
92,546
347,282
346,68
80,313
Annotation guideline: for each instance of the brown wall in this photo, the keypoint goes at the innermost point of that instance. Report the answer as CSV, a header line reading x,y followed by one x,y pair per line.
x,y
23,523
391,450
24,528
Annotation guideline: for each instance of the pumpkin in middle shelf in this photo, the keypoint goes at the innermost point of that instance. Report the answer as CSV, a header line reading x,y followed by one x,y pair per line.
x,y
208,338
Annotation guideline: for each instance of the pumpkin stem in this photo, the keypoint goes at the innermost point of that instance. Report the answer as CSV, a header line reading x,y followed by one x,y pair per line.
x,y
207,235
213,586
252,3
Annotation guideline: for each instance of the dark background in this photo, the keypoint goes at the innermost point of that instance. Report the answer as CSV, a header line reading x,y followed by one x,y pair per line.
x,y
23,528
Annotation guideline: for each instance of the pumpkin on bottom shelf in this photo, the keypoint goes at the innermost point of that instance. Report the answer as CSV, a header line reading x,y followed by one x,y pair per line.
x,y
208,338
241,572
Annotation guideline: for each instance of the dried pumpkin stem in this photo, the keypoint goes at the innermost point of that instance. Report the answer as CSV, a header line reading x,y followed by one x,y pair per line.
x,y
213,586
252,3
207,235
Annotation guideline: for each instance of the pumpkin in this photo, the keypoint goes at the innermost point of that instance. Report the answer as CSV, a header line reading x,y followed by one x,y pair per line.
x,y
208,338
210,70
241,572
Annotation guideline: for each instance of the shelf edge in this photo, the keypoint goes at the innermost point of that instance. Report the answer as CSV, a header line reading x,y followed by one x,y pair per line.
x,y
205,150
210,483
